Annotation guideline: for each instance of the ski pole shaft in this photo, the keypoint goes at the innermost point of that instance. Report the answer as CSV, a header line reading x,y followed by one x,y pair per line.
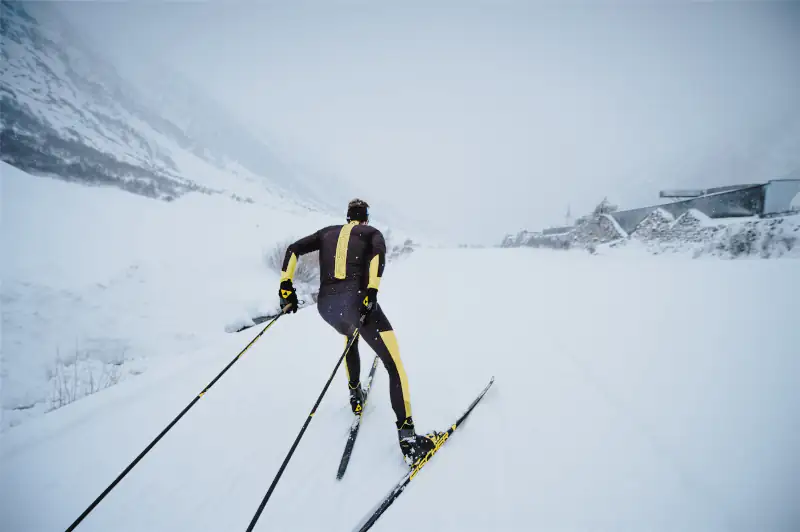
x,y
300,435
168,427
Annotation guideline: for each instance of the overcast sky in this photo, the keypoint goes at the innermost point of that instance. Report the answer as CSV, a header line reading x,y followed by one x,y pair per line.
x,y
485,118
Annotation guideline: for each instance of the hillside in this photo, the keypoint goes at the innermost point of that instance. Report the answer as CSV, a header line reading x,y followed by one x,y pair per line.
x,y
96,281
68,113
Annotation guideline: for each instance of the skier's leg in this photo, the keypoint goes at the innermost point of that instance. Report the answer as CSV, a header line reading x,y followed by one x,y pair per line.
x,y
352,363
352,366
380,336
340,312
378,333
332,309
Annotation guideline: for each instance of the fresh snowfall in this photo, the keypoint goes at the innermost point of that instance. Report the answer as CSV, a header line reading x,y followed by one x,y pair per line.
x,y
632,392
652,383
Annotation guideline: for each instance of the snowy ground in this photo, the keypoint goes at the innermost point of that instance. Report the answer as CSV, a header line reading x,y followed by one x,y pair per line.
x,y
116,281
631,393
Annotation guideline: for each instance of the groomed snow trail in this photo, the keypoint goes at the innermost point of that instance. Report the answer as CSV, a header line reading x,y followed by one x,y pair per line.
x,y
630,394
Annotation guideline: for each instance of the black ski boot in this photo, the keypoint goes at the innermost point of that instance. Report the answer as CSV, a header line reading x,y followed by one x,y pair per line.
x,y
356,399
415,446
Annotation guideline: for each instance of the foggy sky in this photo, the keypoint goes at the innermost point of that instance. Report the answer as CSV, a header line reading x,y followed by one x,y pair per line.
x,y
484,119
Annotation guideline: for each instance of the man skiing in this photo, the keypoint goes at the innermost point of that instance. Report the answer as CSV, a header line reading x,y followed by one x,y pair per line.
x,y
352,259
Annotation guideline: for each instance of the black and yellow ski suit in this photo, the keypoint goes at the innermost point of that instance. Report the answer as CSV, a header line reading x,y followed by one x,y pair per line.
x,y
352,258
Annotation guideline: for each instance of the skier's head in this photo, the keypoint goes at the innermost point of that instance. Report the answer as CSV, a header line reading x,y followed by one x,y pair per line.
x,y
358,210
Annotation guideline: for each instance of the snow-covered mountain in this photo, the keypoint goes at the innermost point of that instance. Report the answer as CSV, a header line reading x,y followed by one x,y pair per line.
x,y
67,112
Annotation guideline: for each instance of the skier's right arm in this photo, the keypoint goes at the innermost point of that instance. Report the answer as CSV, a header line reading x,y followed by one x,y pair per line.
x,y
305,245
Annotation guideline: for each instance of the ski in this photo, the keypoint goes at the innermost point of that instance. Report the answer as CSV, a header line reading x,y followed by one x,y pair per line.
x,y
370,519
351,438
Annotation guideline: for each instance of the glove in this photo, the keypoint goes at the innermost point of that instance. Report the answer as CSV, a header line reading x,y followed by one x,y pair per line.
x,y
288,295
369,303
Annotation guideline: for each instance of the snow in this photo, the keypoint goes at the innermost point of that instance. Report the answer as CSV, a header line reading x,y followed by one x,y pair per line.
x,y
665,214
694,217
616,225
77,94
655,224
631,392
104,274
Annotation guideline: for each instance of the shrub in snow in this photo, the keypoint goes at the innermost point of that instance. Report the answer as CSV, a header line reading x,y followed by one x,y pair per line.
x,y
79,375
395,250
307,271
769,238
536,240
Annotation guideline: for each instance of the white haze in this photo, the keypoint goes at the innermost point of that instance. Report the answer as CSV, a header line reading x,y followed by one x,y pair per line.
x,y
477,120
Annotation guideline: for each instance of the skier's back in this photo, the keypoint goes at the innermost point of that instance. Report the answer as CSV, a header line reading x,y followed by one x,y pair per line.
x,y
352,259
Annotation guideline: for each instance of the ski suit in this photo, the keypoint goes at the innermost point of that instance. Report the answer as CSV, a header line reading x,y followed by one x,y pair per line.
x,y
351,260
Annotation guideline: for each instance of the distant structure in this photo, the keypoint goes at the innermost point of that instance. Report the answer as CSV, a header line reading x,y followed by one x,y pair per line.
x,y
775,197
696,193
680,194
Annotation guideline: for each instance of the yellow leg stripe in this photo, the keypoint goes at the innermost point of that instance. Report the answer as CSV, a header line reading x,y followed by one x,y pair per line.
x,y
390,340
374,280
288,274
340,267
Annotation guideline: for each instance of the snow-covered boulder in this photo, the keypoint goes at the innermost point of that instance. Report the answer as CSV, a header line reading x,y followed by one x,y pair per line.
x,y
656,225
767,238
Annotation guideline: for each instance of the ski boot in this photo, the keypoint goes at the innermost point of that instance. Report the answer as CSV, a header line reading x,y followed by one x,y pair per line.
x,y
415,446
356,398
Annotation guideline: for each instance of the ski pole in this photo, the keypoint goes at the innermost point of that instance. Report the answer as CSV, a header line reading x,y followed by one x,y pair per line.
x,y
302,431
174,421
262,319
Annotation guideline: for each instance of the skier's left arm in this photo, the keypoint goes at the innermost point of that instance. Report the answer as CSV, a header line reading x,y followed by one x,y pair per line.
x,y
286,291
377,260
375,263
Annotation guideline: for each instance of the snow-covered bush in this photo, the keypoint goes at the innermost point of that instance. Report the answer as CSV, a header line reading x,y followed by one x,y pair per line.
x,y
395,250
79,375
767,238
307,270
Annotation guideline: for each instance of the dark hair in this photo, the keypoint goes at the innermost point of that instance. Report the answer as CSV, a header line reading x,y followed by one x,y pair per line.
x,y
357,210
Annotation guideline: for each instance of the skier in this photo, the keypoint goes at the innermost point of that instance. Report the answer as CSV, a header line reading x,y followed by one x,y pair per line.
x,y
351,260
